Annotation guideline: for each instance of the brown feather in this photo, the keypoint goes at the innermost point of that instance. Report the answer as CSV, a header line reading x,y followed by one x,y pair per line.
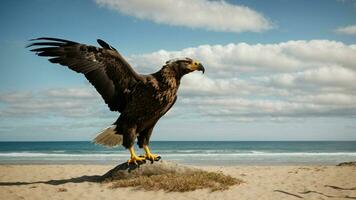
x,y
105,68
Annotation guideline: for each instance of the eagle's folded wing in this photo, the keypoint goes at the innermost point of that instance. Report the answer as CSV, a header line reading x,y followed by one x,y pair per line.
x,y
104,67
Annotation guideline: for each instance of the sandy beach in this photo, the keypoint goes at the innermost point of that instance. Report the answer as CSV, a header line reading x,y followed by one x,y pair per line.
x,y
260,182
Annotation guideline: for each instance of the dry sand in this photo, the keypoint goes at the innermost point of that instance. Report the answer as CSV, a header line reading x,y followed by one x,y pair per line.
x,y
261,182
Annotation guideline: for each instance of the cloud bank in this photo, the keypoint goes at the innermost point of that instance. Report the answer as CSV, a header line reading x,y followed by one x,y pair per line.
x,y
347,30
204,14
294,79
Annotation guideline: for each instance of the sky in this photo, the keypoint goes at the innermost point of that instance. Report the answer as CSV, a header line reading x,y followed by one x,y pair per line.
x,y
275,70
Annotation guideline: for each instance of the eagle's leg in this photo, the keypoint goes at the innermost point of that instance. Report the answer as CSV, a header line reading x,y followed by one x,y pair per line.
x,y
128,142
143,140
149,155
134,159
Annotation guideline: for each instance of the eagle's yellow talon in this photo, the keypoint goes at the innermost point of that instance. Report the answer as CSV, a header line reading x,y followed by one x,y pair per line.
x,y
149,155
134,158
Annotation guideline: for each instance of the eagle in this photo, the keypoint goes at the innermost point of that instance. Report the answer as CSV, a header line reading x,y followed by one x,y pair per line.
x,y
140,99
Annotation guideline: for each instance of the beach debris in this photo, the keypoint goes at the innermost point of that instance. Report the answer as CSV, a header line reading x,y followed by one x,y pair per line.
x,y
62,190
168,176
327,195
293,172
352,163
288,193
305,168
340,188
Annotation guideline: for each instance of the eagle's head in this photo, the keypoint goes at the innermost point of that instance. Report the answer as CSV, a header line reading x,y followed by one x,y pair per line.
x,y
185,66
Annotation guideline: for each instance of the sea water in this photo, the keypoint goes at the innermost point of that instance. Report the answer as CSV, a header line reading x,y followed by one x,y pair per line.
x,y
186,152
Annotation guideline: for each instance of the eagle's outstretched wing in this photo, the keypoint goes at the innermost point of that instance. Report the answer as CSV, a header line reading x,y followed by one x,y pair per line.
x,y
104,67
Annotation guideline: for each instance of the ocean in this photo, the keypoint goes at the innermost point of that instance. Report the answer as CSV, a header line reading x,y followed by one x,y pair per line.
x,y
223,153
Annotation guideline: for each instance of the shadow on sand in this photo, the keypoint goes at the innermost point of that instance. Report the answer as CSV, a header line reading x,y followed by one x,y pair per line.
x,y
81,179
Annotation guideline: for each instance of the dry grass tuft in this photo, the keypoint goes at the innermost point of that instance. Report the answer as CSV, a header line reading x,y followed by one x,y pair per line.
x,y
175,182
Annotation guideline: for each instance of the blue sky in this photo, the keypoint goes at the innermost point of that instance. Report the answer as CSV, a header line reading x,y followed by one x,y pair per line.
x,y
276,70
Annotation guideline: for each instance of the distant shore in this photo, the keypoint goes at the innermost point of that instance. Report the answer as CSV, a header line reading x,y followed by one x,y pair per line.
x,y
260,182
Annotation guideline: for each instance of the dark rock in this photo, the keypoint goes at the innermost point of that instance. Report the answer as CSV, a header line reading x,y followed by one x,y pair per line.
x,y
125,171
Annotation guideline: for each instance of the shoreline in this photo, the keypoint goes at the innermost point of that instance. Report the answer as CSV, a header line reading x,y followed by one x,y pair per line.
x,y
188,164
215,163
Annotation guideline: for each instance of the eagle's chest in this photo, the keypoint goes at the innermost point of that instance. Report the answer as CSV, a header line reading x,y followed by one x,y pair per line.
x,y
163,100
153,99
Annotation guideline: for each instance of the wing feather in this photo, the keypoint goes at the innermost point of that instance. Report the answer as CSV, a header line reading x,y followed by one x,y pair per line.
x,y
104,67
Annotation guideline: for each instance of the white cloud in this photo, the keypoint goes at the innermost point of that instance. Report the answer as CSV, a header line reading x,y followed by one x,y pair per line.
x,y
233,59
348,30
72,93
318,77
329,99
64,102
330,105
209,15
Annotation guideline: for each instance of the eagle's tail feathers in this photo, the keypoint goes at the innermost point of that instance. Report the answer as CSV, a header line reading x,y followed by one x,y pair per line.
x,y
108,137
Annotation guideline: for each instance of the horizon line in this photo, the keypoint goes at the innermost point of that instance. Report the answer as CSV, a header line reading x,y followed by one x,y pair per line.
x,y
190,141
